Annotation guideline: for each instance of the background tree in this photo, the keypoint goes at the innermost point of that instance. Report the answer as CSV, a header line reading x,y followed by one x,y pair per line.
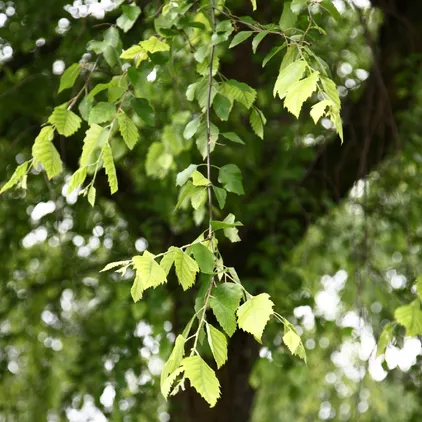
x,y
68,332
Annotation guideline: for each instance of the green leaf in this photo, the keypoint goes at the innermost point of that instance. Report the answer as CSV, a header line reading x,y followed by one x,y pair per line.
x,y
231,136
274,51
386,337
92,194
240,37
198,198
204,257
186,268
232,233
224,302
198,179
257,40
144,110
191,128
85,107
45,152
113,265
128,18
168,374
77,179
419,288
65,121
289,76
69,77
185,175
297,5
218,345
293,342
240,92
168,260
300,92
135,52
148,274
202,139
16,177
221,195
218,225
330,89
332,10
97,89
288,18
92,136
254,314
258,121
110,169
410,316
101,113
318,110
154,45
128,129
202,378
230,177
186,193
222,107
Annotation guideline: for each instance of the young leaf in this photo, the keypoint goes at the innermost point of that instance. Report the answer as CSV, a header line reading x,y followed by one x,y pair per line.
x,y
186,269
77,179
300,92
288,18
135,52
116,264
128,18
410,316
202,378
224,302
168,260
171,366
240,37
110,169
228,223
232,233
231,136
45,152
253,4
69,77
331,90
257,40
254,314
230,177
293,342
318,110
65,121
17,176
148,274
240,92
144,110
101,113
386,337
289,76
92,194
204,257
258,121
202,139
198,179
128,129
90,142
218,345
154,45
221,195
198,198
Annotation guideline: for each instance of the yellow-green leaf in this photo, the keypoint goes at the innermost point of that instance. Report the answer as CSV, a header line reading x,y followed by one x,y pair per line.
x,y
16,177
65,121
110,169
254,314
186,268
300,92
202,378
218,345
154,45
69,77
128,129
410,316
